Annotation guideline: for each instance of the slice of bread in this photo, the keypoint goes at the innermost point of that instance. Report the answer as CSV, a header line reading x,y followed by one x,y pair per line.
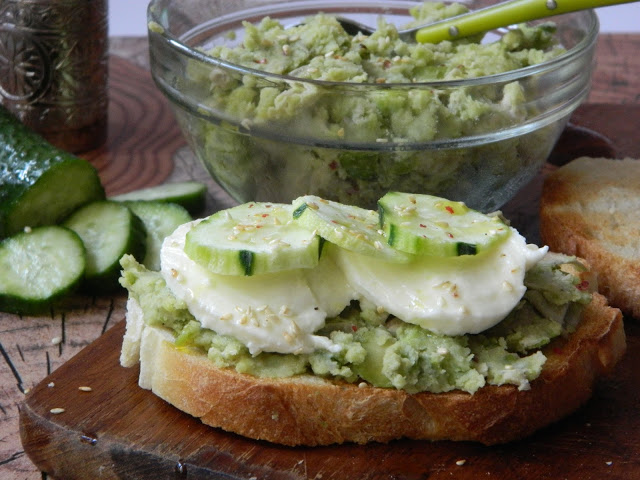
x,y
308,410
591,208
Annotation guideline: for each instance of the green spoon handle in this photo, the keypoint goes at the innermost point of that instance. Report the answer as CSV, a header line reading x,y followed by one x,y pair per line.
x,y
502,15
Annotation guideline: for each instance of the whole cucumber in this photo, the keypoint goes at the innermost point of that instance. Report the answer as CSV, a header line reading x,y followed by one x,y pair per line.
x,y
39,184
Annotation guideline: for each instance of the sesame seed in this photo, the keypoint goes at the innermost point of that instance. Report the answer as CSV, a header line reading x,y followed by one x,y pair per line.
x,y
226,316
341,132
57,410
378,245
246,123
85,389
380,309
294,38
442,351
27,229
382,140
313,206
328,54
285,49
288,337
362,385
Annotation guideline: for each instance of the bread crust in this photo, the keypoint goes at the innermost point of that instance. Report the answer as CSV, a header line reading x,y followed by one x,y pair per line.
x,y
589,208
306,410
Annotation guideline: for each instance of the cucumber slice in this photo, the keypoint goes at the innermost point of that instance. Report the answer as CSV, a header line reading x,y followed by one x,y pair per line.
x,y
38,267
35,178
350,227
251,239
428,225
190,195
160,219
108,230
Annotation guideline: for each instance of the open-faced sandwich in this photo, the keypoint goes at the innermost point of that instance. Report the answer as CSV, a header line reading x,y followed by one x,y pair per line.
x,y
317,323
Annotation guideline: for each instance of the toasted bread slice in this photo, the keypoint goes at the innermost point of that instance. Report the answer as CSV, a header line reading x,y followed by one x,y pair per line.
x,y
308,410
591,208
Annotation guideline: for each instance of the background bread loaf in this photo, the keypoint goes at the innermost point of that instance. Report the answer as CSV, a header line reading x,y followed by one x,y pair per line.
x,y
591,208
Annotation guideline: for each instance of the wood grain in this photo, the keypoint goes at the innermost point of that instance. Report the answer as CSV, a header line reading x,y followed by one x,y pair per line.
x,y
141,127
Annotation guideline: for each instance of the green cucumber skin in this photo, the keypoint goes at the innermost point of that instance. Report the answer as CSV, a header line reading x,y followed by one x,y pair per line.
x,y
160,219
28,163
30,305
245,257
190,195
107,280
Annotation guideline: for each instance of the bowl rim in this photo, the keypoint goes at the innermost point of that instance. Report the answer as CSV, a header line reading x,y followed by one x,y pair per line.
x,y
157,29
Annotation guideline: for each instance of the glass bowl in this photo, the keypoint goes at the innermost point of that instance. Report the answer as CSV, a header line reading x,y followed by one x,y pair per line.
x,y
273,136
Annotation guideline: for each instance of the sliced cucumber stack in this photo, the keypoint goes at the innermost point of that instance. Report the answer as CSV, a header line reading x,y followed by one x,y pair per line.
x,y
108,230
352,228
251,239
35,179
160,219
428,225
38,267
190,195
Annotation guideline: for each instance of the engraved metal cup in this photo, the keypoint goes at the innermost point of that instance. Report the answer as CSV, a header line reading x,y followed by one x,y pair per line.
x,y
53,68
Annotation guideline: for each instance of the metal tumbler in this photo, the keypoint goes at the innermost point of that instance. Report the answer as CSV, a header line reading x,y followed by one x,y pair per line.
x,y
53,68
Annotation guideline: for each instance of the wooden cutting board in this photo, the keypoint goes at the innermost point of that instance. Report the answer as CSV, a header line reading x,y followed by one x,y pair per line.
x,y
117,430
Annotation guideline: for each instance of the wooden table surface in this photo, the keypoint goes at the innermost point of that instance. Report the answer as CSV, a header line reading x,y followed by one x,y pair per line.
x,y
31,347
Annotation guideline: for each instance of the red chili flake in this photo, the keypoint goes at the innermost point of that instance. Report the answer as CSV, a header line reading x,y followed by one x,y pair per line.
x,y
450,235
262,61
422,225
333,165
584,285
268,206
354,328
259,226
251,206
449,209
265,215
386,64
